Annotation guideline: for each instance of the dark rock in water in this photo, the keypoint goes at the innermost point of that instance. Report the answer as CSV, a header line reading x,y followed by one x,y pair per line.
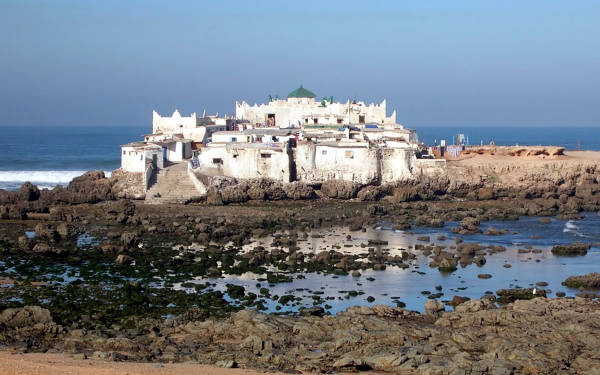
x,y
43,248
479,260
312,311
506,265
545,220
468,225
447,265
457,300
511,295
576,248
541,283
123,259
588,281
484,276
47,231
235,291
423,238
561,294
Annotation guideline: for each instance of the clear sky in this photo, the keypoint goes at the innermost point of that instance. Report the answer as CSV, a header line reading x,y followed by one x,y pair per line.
x,y
455,63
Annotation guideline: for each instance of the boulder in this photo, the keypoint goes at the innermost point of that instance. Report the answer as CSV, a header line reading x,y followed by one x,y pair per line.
x,y
433,306
298,191
474,306
25,317
29,192
340,189
234,194
123,259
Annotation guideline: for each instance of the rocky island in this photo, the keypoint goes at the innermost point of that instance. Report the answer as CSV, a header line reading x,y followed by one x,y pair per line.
x,y
90,272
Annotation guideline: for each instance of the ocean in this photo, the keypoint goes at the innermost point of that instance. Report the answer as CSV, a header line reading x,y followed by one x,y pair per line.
x,y
51,155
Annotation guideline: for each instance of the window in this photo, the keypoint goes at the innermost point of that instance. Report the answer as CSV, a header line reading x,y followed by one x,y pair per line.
x,y
323,152
217,161
265,156
361,119
235,156
141,157
233,139
124,152
315,121
349,154
306,121
339,121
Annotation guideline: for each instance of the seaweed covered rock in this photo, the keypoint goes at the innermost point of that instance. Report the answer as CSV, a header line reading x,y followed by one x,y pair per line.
x,y
576,248
511,295
587,281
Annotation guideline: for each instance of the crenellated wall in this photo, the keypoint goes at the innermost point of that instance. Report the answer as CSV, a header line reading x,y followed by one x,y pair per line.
x,y
295,112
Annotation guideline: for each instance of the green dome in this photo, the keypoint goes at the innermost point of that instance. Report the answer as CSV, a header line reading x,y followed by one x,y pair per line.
x,y
301,92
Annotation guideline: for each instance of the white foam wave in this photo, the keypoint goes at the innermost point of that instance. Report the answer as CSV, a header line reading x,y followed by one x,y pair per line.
x,y
45,178
570,227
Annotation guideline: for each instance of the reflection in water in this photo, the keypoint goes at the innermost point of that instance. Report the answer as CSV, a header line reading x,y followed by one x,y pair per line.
x,y
407,285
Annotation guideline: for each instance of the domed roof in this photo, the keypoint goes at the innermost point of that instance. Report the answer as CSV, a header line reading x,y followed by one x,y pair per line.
x,y
301,92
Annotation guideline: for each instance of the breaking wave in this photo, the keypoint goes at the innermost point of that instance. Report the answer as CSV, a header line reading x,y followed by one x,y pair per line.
x,y
570,227
12,180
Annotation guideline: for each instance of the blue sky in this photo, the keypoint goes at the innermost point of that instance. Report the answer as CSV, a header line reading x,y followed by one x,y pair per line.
x,y
454,63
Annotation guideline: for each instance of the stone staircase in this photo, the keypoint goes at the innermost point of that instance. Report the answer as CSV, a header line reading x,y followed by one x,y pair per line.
x,y
172,185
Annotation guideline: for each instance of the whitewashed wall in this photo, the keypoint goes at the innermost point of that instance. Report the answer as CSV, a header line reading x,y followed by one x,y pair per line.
x,y
222,160
318,163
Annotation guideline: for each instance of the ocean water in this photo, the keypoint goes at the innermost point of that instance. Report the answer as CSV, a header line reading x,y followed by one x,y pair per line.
x,y
50,155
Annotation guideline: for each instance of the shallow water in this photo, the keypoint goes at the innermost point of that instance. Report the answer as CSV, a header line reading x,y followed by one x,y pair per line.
x,y
407,284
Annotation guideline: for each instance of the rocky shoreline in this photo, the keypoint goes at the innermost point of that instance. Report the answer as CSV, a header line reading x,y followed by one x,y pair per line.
x,y
85,271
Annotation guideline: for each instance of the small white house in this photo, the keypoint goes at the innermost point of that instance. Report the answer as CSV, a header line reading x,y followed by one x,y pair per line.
x,y
135,156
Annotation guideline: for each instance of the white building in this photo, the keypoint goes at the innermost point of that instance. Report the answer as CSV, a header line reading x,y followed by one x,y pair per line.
x,y
301,109
197,129
136,156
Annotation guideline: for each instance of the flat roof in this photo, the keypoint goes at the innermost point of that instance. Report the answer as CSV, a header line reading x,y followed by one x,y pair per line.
x,y
242,145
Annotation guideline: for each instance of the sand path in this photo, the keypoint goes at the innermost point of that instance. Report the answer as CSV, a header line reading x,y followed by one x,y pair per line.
x,y
63,364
